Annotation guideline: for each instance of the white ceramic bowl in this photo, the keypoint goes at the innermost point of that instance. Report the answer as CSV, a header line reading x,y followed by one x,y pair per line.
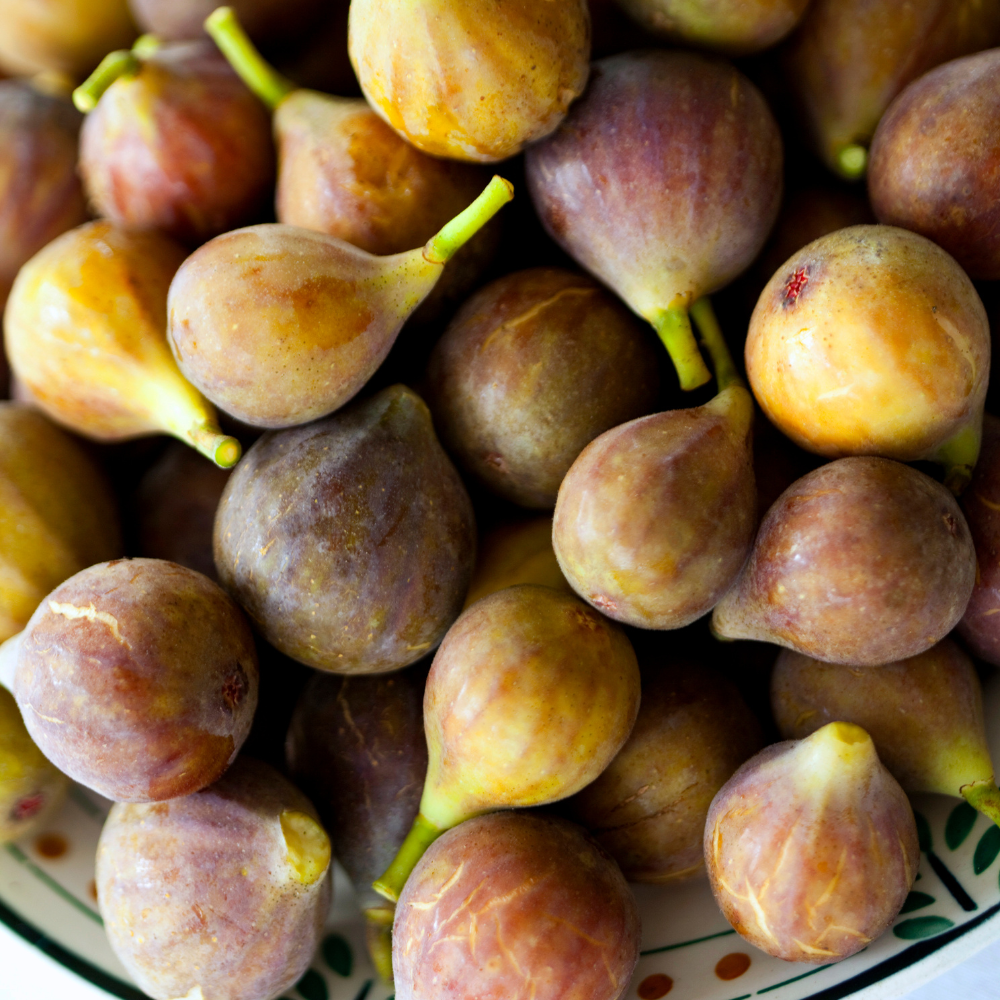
x,y
689,951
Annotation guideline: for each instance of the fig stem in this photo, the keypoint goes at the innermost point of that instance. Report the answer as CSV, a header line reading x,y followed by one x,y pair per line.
x,y
262,78
852,162
378,938
422,834
674,327
711,334
115,64
222,449
146,45
984,796
440,248
958,455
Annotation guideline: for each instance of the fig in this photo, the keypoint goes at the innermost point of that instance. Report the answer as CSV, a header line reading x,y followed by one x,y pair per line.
x,y
924,715
138,679
935,161
648,807
663,182
31,789
655,517
873,341
811,846
85,333
475,80
515,906
222,894
57,513
863,561
349,542
529,698
532,369
174,141
279,325
356,747
273,21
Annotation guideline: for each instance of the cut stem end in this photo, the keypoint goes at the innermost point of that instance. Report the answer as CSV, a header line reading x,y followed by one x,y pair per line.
x,y
378,938
442,247
422,834
113,65
852,162
985,797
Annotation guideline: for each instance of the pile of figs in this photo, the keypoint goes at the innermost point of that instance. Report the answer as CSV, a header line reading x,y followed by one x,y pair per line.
x,y
628,514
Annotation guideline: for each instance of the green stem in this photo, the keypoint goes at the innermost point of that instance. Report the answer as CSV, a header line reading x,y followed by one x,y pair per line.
x,y
442,247
959,455
113,65
222,449
262,78
711,334
146,45
378,938
422,834
984,796
674,327
852,162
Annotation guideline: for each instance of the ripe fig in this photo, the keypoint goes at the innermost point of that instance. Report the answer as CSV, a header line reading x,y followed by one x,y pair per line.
x,y
812,847
138,678
349,542
517,906
863,561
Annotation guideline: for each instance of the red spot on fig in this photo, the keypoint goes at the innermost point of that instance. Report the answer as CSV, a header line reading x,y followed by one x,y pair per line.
x,y
27,807
794,285
605,603
654,987
234,687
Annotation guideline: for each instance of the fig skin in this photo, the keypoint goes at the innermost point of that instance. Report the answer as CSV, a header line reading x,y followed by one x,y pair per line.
x,y
849,59
31,789
181,146
863,561
981,505
40,192
665,179
201,891
935,161
475,80
270,21
138,678
732,26
515,906
924,714
648,807
531,370
655,518
529,698
57,513
811,847
344,172
872,340
175,507
350,542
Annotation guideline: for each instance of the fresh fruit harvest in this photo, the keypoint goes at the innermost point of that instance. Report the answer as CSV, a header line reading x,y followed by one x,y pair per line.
x,y
529,698
512,899
356,746
219,894
85,334
40,192
981,506
57,513
613,186
138,678
811,846
279,325
64,36
863,561
849,59
175,142
734,26
31,789
655,517
935,161
476,79
350,541
924,715
873,341
648,807
533,368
